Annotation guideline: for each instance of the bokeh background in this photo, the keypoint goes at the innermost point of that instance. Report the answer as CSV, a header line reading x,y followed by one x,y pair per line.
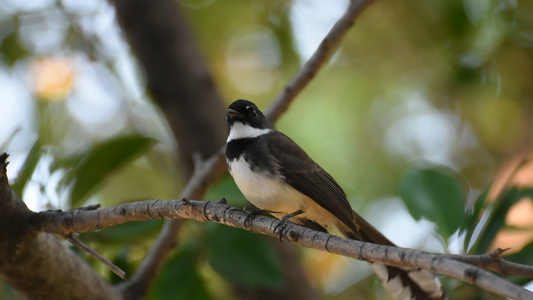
x,y
423,116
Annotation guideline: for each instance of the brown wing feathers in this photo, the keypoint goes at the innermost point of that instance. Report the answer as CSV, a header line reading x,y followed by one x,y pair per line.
x,y
309,178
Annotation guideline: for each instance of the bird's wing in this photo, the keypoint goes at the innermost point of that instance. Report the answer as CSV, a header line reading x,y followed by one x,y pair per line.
x,y
306,176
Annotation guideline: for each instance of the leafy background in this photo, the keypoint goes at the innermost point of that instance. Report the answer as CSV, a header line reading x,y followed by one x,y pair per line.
x,y
423,116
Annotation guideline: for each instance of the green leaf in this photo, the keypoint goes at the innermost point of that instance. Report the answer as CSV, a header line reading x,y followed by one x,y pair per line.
x,y
11,49
244,258
435,194
496,219
27,169
179,279
66,161
104,159
123,262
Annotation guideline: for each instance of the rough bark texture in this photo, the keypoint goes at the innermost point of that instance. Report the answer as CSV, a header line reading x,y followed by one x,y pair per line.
x,y
37,264
220,212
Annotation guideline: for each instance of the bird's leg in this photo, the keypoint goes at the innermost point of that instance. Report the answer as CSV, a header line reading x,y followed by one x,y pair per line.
x,y
252,212
284,221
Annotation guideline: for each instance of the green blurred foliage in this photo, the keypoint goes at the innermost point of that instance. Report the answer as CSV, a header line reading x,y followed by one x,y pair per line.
x,y
435,194
440,84
180,279
102,160
255,265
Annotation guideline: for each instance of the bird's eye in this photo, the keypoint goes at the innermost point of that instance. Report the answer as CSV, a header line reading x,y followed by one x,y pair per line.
x,y
253,113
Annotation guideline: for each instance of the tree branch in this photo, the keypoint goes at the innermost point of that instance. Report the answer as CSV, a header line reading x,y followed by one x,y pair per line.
x,y
324,51
80,221
492,261
28,258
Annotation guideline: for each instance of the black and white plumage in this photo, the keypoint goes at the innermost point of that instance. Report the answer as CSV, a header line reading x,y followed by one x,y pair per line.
x,y
276,175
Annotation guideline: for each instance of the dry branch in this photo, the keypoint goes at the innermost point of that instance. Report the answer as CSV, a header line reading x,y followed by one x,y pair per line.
x,y
81,221
492,261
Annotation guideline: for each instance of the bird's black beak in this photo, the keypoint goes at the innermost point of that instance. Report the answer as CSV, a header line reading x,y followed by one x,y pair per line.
x,y
232,114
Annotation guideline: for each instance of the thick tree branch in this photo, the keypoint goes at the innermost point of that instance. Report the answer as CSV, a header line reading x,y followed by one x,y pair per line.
x,y
80,221
27,258
325,50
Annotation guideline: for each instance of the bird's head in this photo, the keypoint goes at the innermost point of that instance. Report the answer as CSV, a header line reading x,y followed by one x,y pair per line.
x,y
246,113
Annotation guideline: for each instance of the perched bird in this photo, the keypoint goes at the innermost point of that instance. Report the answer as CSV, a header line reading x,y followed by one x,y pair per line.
x,y
277,176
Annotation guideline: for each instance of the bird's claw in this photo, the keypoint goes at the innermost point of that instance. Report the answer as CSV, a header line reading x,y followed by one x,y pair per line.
x,y
280,228
252,212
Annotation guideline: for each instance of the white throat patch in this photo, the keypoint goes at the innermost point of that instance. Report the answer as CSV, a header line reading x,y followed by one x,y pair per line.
x,y
242,131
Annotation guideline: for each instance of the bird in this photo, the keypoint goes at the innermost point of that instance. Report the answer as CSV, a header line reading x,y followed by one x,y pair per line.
x,y
277,176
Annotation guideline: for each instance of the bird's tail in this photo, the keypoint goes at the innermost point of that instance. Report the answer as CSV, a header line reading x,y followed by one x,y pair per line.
x,y
403,283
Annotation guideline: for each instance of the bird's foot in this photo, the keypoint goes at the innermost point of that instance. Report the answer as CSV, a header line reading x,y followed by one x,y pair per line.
x,y
252,212
280,228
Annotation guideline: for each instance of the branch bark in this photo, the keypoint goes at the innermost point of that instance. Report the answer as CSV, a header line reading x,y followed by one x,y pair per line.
x,y
27,258
220,212
492,261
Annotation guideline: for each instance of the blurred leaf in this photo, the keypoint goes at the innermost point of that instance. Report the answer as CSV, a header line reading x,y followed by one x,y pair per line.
x,y
496,219
125,233
179,279
437,195
27,169
66,162
122,261
243,257
457,20
473,218
11,49
104,159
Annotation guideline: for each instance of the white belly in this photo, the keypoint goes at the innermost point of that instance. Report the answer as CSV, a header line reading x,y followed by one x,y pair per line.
x,y
270,193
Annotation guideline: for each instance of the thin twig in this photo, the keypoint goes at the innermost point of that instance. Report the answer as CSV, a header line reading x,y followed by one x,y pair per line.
x,y
492,261
120,273
58,222
325,50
